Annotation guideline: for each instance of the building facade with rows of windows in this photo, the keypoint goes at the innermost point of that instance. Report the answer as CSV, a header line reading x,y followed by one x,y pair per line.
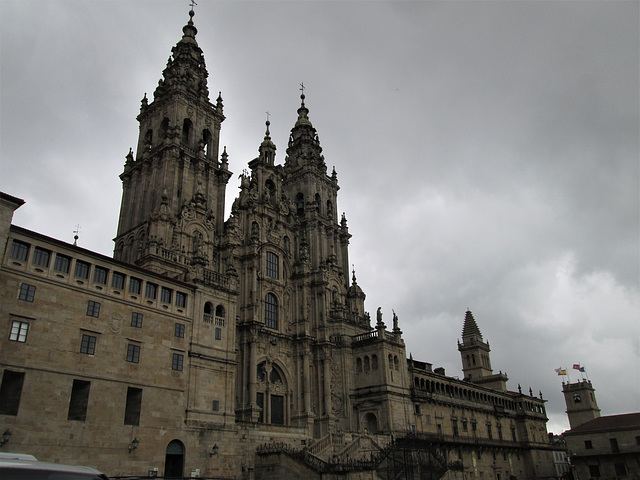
x,y
238,347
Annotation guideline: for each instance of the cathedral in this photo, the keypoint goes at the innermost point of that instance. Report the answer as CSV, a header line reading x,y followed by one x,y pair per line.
x,y
235,348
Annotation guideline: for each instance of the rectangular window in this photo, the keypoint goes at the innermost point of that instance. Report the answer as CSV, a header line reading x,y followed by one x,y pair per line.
x,y
134,285
427,419
614,445
41,257
181,300
588,445
489,431
117,280
594,471
82,269
177,362
93,309
19,331
621,469
100,275
133,406
454,424
133,353
151,290
62,263
10,392
165,295
464,426
27,292
136,320
513,434
88,345
216,405
179,331
272,265
19,250
277,409
79,400
218,333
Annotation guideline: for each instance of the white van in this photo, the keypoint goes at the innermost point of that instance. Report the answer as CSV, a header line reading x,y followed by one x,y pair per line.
x,y
20,466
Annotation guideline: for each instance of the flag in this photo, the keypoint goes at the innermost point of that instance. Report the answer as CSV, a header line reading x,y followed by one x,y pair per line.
x,y
576,366
561,371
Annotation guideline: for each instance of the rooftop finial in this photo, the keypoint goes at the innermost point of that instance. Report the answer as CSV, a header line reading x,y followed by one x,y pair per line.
x,y
76,235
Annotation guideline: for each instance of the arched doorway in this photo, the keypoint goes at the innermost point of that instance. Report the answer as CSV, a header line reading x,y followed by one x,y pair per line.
x,y
174,460
371,423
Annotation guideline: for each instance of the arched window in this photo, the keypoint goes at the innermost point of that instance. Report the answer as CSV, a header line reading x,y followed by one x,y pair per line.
x,y
317,200
358,365
206,143
271,311
207,315
220,315
164,126
187,128
374,362
396,363
367,365
270,187
148,139
300,204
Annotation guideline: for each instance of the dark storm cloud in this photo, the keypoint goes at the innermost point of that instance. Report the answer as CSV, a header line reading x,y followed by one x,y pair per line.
x,y
487,153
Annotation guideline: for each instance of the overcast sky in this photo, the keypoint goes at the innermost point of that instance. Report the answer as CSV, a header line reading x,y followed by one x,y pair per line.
x,y
487,153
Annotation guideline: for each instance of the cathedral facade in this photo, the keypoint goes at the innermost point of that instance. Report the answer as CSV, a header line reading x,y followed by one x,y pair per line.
x,y
238,347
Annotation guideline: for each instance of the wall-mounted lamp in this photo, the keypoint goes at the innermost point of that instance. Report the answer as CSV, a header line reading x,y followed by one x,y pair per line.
x,y
214,450
5,437
133,445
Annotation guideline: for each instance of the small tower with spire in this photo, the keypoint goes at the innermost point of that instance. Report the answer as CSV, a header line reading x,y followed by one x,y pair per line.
x,y
476,362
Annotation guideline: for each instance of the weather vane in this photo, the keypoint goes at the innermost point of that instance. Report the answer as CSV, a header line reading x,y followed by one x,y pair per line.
x,y
193,4
302,88
268,115
76,235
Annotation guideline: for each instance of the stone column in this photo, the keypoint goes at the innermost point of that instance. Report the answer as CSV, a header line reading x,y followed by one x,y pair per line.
x,y
306,378
253,372
327,382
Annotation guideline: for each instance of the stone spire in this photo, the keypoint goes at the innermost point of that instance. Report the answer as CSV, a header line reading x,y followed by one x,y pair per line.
x,y
304,148
185,70
267,148
470,328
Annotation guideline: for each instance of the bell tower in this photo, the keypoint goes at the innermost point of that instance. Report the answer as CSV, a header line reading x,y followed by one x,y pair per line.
x,y
172,210
581,402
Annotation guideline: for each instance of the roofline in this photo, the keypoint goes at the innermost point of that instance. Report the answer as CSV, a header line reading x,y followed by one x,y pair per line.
x,y
90,253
